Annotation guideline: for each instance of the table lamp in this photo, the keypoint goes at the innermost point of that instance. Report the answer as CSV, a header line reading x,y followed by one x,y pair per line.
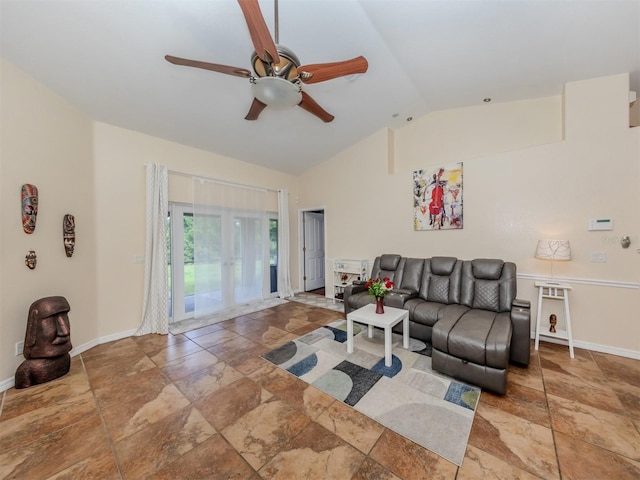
x,y
554,250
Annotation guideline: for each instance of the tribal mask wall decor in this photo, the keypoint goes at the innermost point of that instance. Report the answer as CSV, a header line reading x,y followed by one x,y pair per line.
x,y
30,259
69,234
29,207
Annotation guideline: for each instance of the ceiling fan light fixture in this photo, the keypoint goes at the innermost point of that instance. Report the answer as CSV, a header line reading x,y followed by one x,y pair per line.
x,y
278,74
287,67
277,92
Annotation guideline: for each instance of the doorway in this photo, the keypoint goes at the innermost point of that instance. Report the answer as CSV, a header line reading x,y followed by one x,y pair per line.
x,y
312,248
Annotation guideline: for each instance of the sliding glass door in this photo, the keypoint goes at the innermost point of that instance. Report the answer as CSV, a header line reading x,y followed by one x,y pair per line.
x,y
181,267
220,258
209,264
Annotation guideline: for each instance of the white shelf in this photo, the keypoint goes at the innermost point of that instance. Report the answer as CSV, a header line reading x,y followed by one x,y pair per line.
x,y
554,291
561,334
352,269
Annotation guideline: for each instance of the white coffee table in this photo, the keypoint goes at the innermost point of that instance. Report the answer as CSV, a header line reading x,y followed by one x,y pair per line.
x,y
387,320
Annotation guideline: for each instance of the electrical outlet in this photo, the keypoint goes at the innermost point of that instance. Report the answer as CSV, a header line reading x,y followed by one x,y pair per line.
x,y
19,348
598,257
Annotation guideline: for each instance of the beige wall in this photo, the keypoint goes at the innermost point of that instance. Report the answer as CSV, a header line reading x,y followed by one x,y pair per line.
x,y
522,181
46,142
96,172
120,156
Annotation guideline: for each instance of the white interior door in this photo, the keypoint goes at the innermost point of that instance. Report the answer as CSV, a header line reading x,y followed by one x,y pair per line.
x,y
313,224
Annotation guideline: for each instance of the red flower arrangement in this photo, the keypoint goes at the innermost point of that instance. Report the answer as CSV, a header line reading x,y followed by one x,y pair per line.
x,y
379,288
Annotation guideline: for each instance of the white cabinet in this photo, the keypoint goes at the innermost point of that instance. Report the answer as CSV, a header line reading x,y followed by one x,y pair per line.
x,y
345,272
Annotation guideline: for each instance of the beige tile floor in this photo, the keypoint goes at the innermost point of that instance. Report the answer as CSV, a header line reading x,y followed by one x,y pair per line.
x,y
204,405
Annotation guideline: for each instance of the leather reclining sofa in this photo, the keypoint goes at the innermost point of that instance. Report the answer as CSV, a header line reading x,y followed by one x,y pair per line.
x,y
467,310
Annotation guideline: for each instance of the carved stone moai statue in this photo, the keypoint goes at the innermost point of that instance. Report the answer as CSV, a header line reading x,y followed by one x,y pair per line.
x,y
47,343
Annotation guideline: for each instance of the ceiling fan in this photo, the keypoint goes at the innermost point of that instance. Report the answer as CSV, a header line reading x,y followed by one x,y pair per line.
x,y
278,78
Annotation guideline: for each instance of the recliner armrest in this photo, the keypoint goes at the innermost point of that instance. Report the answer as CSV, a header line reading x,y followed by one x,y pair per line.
x,y
520,303
405,291
353,289
348,291
398,296
520,339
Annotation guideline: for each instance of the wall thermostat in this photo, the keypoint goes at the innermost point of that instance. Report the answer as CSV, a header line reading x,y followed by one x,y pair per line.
x,y
601,224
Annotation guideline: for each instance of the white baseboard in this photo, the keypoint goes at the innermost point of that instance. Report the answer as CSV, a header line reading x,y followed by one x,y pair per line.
x,y
7,384
594,347
10,382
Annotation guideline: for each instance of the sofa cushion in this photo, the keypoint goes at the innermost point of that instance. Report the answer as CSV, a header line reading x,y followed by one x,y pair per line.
x,y
481,290
428,313
486,295
476,336
487,269
441,280
443,265
438,289
389,261
389,266
411,276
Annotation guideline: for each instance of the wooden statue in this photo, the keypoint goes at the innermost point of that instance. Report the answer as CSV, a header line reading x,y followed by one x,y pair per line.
x,y
47,343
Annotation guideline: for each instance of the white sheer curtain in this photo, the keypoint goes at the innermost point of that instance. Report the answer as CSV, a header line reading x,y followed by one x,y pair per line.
x,y
284,278
155,314
230,245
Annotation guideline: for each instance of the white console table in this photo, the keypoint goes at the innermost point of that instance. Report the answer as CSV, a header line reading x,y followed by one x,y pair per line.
x,y
555,291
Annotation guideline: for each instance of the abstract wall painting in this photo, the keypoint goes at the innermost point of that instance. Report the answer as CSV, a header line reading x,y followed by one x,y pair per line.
x,y
437,198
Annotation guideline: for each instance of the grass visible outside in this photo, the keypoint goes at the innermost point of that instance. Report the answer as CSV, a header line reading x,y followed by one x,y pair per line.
x,y
211,273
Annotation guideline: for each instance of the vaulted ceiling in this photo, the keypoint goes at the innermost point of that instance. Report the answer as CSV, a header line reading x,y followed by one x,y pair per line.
x,y
107,58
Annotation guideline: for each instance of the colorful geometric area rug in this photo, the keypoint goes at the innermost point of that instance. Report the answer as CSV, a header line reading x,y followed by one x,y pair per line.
x,y
429,408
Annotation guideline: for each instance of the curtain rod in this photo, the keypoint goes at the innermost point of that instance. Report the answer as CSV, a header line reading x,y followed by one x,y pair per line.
x,y
225,182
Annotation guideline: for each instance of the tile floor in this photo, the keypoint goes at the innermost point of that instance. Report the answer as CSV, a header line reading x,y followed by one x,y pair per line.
x,y
204,405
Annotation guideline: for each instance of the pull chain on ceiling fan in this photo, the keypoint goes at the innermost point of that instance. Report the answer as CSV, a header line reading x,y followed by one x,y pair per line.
x,y
278,76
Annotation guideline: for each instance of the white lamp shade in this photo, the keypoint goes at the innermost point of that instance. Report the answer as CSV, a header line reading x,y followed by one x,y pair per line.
x,y
558,250
277,92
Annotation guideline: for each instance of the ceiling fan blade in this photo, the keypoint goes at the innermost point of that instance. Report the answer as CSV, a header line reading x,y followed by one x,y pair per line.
x,y
320,72
311,106
214,67
255,110
260,35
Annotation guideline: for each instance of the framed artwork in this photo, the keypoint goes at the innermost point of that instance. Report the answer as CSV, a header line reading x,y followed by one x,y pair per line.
x,y
437,198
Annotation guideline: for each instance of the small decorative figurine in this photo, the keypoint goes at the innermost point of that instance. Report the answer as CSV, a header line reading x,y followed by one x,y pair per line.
x,y
29,207
30,259
553,321
69,234
344,277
